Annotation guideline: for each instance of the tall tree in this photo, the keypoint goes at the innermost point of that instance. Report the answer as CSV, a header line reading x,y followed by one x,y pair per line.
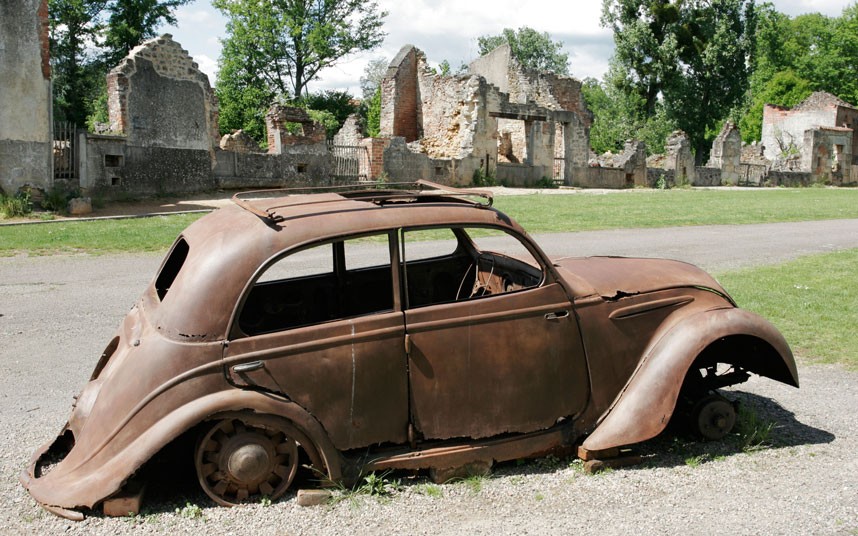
x,y
74,26
133,21
532,49
287,42
693,56
373,74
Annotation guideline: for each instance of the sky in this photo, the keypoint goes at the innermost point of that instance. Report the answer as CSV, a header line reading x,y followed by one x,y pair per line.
x,y
448,30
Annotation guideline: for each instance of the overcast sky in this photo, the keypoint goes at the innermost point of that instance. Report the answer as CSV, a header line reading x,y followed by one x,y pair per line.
x,y
448,29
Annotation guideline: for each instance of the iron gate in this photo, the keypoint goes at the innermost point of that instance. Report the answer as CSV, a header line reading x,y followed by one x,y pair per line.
x,y
350,162
65,151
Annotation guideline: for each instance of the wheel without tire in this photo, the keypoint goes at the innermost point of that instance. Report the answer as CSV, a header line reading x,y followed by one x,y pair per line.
x,y
714,417
243,456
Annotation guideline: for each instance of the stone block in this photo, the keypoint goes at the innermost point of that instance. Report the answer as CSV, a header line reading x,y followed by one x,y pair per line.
x,y
80,206
313,497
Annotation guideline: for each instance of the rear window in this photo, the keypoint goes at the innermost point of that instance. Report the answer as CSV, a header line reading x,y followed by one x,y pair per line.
x,y
172,266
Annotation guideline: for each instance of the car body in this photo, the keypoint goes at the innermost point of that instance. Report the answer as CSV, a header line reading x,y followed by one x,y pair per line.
x,y
417,328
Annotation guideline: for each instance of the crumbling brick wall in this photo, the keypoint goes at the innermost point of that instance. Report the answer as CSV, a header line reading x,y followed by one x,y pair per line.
x,y
400,97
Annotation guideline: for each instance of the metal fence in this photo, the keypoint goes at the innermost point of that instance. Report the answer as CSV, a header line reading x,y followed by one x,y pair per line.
x,y
351,162
752,174
64,150
559,167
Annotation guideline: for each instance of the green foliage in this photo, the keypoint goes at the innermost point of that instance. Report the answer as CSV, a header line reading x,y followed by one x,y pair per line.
x,y
57,198
285,43
340,104
98,111
532,49
77,72
691,57
370,112
754,432
16,205
88,37
326,119
133,21
432,490
616,119
480,178
796,56
785,88
190,511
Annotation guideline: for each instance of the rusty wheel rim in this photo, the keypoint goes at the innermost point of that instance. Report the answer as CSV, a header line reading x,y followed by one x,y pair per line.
x,y
715,417
242,458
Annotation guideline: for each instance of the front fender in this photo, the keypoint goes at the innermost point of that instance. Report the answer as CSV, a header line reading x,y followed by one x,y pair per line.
x,y
644,406
90,483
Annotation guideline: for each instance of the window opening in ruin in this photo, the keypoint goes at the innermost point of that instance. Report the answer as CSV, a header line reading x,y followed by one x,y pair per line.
x,y
113,160
115,181
301,168
172,266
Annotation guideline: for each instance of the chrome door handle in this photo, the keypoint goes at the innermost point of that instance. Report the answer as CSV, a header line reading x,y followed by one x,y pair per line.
x,y
248,367
557,315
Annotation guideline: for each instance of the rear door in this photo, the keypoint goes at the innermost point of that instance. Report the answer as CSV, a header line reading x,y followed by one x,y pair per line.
x,y
499,350
322,326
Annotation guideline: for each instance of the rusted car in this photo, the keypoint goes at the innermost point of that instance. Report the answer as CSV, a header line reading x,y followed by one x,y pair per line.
x,y
365,329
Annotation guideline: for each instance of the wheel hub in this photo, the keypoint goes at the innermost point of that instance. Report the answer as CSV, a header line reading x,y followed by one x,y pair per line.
x,y
250,462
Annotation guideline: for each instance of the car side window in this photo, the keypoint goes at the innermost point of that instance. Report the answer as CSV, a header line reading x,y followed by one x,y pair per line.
x,y
460,263
331,281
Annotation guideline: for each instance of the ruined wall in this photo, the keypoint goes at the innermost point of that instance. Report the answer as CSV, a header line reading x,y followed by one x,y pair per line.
x,y
158,97
25,96
847,117
350,133
727,154
399,97
827,154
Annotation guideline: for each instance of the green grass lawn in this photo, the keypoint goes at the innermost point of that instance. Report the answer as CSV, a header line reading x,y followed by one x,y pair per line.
x,y
812,300
537,213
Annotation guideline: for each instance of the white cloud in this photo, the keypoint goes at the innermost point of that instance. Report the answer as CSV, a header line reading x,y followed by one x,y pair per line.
x,y
448,29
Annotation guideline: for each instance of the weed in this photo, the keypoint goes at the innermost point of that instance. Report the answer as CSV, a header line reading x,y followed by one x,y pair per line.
x,y
15,206
57,198
432,490
373,485
546,182
549,463
265,501
474,483
577,465
539,497
696,461
754,432
481,178
661,183
190,511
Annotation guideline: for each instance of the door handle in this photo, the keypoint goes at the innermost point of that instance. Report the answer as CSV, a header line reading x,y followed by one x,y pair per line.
x,y
556,315
248,367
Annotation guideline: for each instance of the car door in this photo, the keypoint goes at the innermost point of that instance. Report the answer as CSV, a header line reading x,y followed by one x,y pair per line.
x,y
498,351
321,326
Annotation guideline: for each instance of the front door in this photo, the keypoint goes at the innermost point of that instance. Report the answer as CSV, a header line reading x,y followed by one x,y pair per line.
x,y
499,351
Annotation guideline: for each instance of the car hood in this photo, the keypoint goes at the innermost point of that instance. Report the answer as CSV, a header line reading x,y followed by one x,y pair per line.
x,y
615,277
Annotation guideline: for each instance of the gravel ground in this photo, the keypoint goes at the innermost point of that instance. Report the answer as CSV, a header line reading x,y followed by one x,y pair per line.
x,y
805,483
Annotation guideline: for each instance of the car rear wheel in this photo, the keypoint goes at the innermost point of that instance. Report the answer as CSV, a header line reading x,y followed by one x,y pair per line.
x,y
247,456
713,417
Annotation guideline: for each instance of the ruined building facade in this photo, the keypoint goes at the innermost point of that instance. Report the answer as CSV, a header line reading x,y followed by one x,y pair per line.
x,y
497,119
818,136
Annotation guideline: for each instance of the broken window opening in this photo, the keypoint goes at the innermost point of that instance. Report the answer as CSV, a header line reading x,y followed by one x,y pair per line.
x,y
324,283
172,266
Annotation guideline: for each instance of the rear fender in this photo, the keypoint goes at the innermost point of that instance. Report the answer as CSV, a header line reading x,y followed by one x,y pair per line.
x,y
644,406
99,478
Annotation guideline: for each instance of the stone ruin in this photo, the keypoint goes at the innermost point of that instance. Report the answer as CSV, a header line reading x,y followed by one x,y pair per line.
x,y
498,119
26,148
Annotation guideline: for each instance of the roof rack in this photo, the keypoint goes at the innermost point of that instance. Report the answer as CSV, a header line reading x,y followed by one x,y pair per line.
x,y
376,192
